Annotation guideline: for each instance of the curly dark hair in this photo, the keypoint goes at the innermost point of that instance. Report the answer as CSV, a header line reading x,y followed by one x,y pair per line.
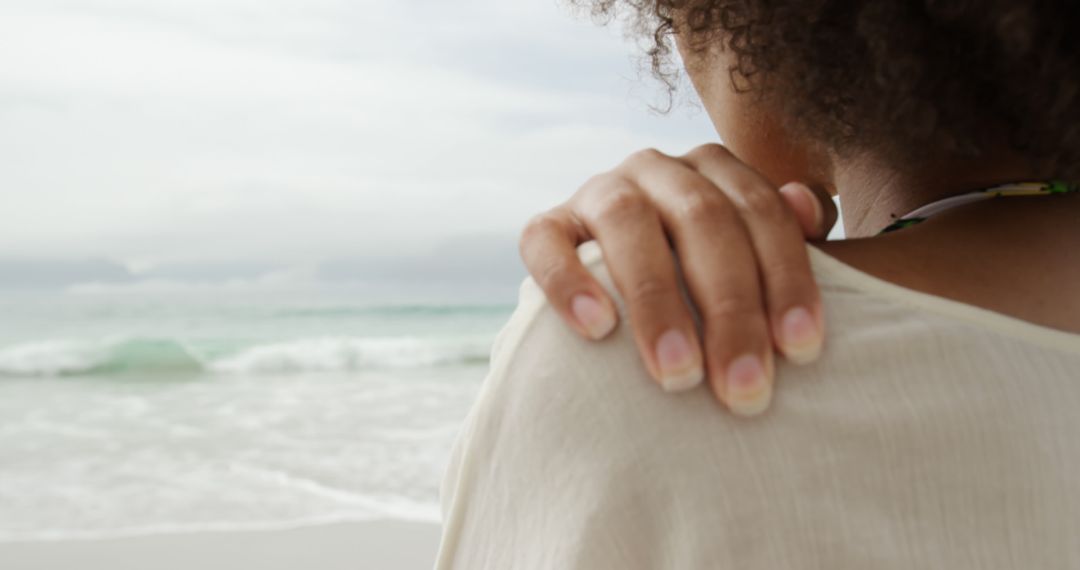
x,y
911,79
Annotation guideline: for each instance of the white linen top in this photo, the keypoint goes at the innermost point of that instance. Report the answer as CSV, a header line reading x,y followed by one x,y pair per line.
x,y
930,434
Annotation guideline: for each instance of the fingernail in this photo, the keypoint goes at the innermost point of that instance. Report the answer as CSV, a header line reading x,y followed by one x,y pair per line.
x,y
748,388
680,363
799,336
597,319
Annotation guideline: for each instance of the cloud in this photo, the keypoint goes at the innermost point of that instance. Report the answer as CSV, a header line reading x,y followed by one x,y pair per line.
x,y
45,274
461,260
482,267
289,134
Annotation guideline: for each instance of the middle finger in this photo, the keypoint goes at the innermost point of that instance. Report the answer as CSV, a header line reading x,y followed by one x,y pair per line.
x,y
721,273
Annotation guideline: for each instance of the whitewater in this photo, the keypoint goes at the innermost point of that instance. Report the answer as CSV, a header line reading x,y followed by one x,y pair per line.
x,y
121,355
124,415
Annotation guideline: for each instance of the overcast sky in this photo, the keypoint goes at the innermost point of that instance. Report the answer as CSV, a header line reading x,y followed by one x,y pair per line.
x,y
225,139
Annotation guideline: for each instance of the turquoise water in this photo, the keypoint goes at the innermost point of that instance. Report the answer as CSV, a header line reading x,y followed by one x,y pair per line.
x,y
127,414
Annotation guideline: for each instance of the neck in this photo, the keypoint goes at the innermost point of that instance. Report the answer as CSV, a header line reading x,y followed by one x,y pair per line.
x,y
873,194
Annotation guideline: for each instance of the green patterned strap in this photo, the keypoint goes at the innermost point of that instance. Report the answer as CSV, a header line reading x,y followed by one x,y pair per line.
x,y
1003,191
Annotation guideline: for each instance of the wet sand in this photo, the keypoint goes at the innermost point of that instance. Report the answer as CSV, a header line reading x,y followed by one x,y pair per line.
x,y
376,545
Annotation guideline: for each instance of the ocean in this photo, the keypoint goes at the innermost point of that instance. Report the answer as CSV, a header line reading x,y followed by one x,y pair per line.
x,y
134,413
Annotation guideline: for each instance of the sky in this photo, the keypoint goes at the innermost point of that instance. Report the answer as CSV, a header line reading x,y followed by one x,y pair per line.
x,y
205,142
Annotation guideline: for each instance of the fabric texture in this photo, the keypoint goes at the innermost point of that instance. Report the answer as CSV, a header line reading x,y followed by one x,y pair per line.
x,y
930,434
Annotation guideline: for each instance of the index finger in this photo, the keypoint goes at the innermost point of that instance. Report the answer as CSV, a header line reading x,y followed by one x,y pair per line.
x,y
548,247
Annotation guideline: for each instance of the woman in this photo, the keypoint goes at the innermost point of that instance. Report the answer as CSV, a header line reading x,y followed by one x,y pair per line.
x,y
937,428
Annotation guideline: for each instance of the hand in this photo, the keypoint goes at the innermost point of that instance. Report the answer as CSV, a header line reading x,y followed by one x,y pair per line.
x,y
739,242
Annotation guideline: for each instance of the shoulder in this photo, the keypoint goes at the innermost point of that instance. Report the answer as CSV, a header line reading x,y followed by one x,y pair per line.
x,y
548,387
573,458
555,459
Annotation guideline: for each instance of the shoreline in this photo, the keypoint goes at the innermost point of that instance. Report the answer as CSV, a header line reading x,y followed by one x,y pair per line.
x,y
377,544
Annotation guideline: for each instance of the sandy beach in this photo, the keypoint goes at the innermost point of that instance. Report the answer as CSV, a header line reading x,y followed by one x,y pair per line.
x,y
375,545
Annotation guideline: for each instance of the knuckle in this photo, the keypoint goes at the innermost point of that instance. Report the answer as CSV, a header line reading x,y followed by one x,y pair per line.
x,y
553,273
708,151
762,203
620,205
731,308
538,226
600,186
704,206
644,155
648,291
781,277
782,268
789,278
595,181
637,160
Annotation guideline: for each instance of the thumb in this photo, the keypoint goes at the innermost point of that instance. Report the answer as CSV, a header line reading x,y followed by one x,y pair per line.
x,y
814,209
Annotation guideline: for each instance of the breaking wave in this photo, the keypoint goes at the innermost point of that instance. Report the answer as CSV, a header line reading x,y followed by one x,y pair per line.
x,y
53,358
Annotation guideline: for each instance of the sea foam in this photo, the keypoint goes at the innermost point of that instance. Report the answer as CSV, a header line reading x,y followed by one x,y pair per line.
x,y
64,357
345,354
